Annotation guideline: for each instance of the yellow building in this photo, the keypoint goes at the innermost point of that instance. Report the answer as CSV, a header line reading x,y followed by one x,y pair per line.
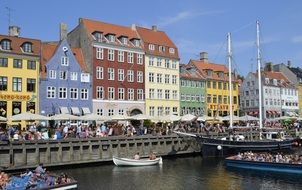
x,y
217,85
161,73
19,72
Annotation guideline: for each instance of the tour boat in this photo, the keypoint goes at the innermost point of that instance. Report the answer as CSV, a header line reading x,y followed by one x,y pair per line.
x,y
263,166
133,162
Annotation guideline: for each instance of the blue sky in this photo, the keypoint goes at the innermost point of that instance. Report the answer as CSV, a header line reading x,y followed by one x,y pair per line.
x,y
194,25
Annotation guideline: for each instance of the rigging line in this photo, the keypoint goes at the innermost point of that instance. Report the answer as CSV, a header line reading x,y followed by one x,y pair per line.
x,y
242,27
219,51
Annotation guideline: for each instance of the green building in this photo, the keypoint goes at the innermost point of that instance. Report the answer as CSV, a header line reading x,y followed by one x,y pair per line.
x,y
192,91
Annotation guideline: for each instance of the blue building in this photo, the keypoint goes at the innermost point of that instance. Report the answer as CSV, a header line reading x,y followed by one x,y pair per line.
x,y
65,84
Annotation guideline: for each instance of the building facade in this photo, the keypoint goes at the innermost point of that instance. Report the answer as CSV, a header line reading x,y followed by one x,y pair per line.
x,y
65,84
161,72
19,74
192,91
115,58
217,85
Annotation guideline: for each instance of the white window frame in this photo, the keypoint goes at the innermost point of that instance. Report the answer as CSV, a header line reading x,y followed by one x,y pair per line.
x,y
159,78
63,75
99,72
120,56
74,76
100,92
84,94
167,79
140,76
171,50
64,61
158,62
159,94
151,93
74,93
121,93
110,73
51,92
174,94
111,93
130,75
121,75
62,93
99,53
52,74
110,54
130,94
151,77
174,79
140,94
140,58
151,47
151,61
130,57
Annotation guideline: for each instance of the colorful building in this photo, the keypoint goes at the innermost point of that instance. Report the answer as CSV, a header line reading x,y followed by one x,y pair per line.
x,y
19,72
114,55
65,84
217,85
161,72
192,91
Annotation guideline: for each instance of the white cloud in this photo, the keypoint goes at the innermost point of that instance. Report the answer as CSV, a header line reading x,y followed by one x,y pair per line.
x,y
297,39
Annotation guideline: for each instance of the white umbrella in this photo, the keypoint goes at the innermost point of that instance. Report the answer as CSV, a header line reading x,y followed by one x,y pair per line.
x,y
299,118
285,117
26,116
171,118
64,116
3,119
228,118
188,117
140,117
248,118
93,117
205,118
120,117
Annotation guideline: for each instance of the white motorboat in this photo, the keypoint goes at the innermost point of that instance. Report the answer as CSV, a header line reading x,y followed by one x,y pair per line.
x,y
133,162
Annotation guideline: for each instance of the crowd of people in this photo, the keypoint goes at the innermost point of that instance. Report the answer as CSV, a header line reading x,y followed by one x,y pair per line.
x,y
32,179
268,157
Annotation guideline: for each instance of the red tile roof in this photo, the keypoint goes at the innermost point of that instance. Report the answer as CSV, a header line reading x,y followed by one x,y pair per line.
x,y
158,38
17,42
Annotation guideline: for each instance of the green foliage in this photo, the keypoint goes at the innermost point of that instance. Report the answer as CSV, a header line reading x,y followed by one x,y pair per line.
x,y
147,123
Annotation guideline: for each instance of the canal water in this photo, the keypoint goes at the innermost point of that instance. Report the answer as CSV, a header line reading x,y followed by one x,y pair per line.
x,y
185,173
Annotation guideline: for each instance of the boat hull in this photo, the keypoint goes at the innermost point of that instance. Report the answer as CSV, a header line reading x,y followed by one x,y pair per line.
x,y
133,162
264,166
220,148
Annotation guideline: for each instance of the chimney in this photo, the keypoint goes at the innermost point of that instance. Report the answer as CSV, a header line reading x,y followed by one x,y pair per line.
x,y
268,67
133,27
289,64
63,31
154,28
204,57
14,31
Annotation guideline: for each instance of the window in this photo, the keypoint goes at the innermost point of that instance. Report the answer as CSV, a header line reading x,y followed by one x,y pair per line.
x,y
121,75
215,99
167,110
97,36
151,47
111,38
139,59
151,77
17,63
235,100
151,110
31,85
27,47
100,112
174,79
140,76
62,93
160,111
111,93
167,63
167,94
121,93
175,109
3,62
130,94
110,112
100,92
208,84
151,61
84,94
234,86
209,73
64,61
246,93
52,74
73,93
174,94
85,77
174,64
73,76
167,79
161,48
124,40
136,43
3,83
158,63
159,78
151,93
219,85
247,103
17,84
219,99
130,76
130,57
110,54
51,92
121,112
214,84
110,73
99,53
171,50
63,75
221,75
5,45
140,94
209,98
159,94
120,56
99,73
225,99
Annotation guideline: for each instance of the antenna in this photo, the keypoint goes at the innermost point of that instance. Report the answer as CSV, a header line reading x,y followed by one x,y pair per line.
x,y
9,10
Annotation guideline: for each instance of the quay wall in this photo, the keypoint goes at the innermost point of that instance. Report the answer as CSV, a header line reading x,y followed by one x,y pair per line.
x,y
28,154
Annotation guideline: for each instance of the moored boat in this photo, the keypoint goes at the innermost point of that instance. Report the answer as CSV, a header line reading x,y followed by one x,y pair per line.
x,y
134,162
293,168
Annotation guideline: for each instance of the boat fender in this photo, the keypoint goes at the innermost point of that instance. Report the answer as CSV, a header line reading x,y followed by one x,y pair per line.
x,y
160,161
219,147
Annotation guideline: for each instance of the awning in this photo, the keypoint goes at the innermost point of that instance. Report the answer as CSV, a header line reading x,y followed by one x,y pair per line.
x,y
64,110
86,110
75,111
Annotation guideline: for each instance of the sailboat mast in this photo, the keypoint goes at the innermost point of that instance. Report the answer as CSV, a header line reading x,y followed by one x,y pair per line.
x,y
230,79
259,74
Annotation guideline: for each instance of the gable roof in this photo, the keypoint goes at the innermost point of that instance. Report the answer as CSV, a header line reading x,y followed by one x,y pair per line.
x,y
17,42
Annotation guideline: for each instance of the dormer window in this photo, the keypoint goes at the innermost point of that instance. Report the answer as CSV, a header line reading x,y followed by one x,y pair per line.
x,y
136,42
171,50
161,48
6,45
209,73
266,80
27,47
221,75
151,47
275,82
97,36
124,40
111,38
